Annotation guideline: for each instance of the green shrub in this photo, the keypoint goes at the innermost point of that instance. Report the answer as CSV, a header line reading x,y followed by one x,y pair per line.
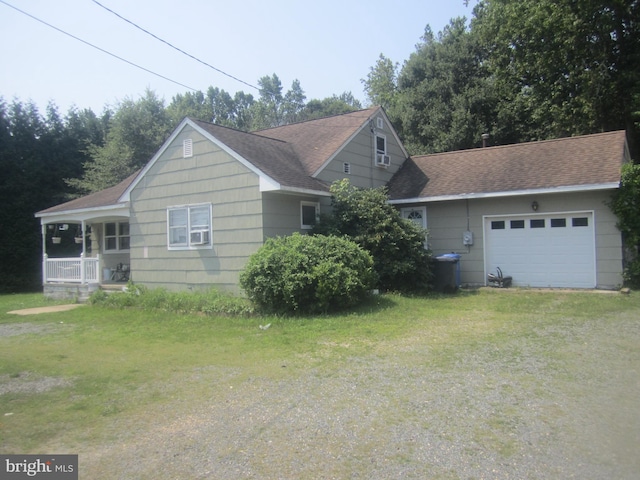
x,y
631,273
308,274
401,261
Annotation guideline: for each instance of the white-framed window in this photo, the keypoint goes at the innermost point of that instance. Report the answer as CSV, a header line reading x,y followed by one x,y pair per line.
x,y
187,148
116,237
309,212
382,159
381,144
189,227
379,123
417,215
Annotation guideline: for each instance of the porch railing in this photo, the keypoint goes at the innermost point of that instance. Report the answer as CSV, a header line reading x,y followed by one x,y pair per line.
x,y
71,270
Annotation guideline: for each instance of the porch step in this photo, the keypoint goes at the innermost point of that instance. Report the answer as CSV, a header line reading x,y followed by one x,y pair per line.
x,y
112,287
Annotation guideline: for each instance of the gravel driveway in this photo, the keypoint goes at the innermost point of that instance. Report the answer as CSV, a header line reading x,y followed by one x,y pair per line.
x,y
508,412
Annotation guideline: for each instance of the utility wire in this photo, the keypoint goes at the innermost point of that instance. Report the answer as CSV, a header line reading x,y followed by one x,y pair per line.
x,y
98,48
174,47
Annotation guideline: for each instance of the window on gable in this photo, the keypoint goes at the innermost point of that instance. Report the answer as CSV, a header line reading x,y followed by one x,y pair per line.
x,y
116,236
189,226
309,212
381,144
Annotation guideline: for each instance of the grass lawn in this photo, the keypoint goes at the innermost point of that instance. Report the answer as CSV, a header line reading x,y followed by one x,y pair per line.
x,y
73,381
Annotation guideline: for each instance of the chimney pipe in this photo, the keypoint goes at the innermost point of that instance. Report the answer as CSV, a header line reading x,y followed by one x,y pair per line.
x,y
485,138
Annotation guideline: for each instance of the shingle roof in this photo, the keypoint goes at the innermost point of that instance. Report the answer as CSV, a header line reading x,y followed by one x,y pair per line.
x,y
315,141
274,157
576,161
103,198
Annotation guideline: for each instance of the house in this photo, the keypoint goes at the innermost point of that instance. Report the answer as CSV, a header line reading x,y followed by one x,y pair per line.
x,y
211,195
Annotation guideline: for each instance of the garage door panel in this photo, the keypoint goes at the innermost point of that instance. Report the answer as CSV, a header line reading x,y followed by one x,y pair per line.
x,y
543,250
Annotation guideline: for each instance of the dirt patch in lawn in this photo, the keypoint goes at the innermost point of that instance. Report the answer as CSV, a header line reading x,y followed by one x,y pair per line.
x,y
28,383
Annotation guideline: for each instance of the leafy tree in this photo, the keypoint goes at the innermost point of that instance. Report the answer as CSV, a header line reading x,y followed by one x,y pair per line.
x,y
445,99
217,106
267,111
293,103
137,130
396,245
563,67
273,108
334,105
381,84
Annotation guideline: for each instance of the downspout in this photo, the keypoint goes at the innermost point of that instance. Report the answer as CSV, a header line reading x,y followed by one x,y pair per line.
x,y
373,152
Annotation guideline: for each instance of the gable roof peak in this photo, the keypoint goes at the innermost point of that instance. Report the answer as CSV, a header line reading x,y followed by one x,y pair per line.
x,y
359,113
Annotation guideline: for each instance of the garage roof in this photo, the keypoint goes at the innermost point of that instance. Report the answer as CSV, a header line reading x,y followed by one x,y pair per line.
x,y
575,163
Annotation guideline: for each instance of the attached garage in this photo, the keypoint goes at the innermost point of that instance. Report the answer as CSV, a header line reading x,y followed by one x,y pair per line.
x,y
550,250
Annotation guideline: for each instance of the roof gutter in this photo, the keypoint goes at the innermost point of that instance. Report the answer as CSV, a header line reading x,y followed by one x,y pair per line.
x,y
511,193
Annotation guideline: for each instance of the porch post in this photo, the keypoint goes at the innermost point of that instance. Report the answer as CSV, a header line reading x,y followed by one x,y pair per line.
x,y
82,272
84,234
44,269
43,229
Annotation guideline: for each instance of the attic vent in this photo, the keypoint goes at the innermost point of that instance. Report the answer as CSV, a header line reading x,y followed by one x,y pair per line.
x,y
187,148
346,168
379,123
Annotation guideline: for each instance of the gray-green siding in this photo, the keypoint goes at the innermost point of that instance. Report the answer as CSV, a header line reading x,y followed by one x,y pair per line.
x,y
210,176
446,222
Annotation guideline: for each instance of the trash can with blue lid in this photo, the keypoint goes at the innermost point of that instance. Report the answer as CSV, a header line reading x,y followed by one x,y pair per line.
x,y
447,272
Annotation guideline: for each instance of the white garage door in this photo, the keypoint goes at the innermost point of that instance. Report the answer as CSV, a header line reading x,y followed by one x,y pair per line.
x,y
555,250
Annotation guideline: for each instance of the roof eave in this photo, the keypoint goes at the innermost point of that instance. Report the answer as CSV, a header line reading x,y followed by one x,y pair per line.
x,y
79,214
267,183
509,193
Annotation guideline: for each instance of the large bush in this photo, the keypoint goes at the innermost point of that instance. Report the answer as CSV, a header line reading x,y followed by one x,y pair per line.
x,y
626,205
397,245
308,274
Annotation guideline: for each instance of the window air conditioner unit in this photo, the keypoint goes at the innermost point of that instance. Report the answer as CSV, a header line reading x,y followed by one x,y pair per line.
x,y
383,160
200,237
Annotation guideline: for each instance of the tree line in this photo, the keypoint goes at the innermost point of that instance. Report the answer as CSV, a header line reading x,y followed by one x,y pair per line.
x,y
519,70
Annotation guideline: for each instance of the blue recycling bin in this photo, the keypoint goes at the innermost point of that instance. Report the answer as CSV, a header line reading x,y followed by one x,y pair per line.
x,y
447,272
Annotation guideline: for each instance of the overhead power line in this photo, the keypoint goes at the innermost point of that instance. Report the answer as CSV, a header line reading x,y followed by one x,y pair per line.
x,y
98,48
174,47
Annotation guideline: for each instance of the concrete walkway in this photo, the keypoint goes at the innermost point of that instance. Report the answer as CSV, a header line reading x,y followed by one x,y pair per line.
x,y
52,309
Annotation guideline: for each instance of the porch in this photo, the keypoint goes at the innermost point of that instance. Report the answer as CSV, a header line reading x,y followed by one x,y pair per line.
x,y
82,270
76,278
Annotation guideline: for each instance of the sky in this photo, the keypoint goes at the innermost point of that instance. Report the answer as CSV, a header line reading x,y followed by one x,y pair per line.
x,y
329,46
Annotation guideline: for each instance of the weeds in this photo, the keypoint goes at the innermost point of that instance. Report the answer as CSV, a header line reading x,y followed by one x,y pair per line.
x,y
210,302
